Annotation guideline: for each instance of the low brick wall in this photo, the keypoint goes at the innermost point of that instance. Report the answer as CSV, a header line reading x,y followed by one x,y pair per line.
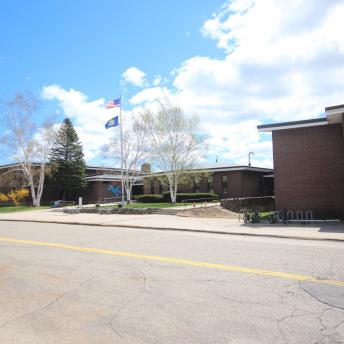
x,y
252,203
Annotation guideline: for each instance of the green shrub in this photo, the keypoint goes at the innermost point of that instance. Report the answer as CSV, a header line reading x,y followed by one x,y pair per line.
x,y
149,198
194,196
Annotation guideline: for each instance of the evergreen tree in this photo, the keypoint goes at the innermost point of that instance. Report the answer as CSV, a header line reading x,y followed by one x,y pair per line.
x,y
67,162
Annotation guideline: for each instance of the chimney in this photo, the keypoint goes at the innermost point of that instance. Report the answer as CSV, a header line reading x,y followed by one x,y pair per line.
x,y
145,168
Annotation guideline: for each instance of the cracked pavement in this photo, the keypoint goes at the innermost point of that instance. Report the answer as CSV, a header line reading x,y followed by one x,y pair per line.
x,y
51,295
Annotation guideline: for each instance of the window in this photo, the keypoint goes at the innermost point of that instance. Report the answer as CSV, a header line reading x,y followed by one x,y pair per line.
x,y
196,184
224,184
210,184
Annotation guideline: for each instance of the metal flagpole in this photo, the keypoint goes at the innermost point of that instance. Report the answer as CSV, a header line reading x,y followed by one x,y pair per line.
x,y
120,122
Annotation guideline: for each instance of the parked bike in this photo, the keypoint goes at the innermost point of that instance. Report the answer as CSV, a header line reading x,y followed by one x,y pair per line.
x,y
250,217
273,217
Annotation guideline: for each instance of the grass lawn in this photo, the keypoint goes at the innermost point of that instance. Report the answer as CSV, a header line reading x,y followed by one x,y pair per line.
x,y
14,208
152,205
264,215
146,205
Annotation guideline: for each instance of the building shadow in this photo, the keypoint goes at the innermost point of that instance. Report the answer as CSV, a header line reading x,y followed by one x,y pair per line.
x,y
332,228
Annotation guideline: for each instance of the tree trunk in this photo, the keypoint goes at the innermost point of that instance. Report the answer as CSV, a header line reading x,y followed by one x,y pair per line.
x,y
173,188
33,191
40,185
128,192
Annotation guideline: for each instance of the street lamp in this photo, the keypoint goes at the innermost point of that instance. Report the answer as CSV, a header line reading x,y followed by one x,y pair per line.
x,y
249,158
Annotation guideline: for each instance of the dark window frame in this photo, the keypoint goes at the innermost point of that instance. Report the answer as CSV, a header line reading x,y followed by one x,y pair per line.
x,y
224,184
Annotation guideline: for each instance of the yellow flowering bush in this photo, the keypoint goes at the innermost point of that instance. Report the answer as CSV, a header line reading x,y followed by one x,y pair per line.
x,y
3,197
17,195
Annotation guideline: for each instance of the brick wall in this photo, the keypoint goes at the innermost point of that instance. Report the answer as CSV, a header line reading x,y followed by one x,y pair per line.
x,y
97,190
309,169
251,184
240,184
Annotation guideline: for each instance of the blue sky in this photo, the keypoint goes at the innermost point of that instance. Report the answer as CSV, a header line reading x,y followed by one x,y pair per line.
x,y
235,63
87,45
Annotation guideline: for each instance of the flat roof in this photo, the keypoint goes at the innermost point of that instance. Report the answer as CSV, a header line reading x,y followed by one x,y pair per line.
x,y
335,107
220,169
111,178
295,124
97,168
209,168
17,164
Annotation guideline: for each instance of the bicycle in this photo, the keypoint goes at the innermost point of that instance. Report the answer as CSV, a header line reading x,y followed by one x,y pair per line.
x,y
273,217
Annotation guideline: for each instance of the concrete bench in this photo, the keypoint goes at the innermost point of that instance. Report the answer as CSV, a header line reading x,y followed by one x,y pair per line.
x,y
71,210
106,211
61,204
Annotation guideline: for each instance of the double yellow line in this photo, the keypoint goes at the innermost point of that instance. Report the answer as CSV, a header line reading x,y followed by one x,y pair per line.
x,y
177,261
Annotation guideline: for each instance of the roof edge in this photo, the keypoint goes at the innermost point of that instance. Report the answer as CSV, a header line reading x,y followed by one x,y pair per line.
x,y
295,124
335,107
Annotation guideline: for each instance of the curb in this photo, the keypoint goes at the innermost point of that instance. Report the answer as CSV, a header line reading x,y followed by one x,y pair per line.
x,y
277,236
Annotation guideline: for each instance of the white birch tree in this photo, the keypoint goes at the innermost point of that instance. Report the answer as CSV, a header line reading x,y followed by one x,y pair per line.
x,y
175,142
27,145
135,150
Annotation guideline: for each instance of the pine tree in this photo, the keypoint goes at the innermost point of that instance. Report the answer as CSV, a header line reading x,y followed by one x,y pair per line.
x,y
67,162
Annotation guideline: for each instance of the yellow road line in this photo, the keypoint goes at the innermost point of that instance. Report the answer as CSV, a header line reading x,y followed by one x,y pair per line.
x,y
176,261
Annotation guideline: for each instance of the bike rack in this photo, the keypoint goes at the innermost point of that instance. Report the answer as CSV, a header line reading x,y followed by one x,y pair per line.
x,y
299,215
280,215
309,215
290,215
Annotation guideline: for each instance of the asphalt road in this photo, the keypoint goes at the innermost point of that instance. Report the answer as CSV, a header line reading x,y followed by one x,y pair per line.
x,y
80,284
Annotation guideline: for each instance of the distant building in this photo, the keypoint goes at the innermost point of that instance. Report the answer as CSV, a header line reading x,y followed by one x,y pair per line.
x,y
103,183
309,164
227,181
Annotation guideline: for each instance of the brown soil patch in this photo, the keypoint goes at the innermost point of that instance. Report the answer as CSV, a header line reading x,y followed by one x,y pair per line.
x,y
209,212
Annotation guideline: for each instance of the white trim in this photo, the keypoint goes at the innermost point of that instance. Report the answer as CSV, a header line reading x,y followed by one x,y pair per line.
x,y
293,126
337,111
16,164
268,176
224,169
334,118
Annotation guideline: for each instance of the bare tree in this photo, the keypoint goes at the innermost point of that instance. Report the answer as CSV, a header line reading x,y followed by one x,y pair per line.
x,y
26,144
175,140
135,150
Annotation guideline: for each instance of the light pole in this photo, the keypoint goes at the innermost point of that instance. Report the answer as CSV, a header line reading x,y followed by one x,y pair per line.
x,y
249,158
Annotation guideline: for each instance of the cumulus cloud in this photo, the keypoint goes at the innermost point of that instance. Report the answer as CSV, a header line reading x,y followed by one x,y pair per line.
x,y
284,60
134,76
150,95
89,117
157,80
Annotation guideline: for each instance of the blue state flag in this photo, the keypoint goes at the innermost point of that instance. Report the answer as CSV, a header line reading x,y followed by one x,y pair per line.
x,y
113,122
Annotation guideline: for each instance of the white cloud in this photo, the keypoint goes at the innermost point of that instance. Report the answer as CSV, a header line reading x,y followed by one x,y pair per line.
x,y
157,80
89,117
134,76
284,60
149,95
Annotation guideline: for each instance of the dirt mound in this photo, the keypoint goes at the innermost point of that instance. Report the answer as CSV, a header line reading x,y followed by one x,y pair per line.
x,y
209,212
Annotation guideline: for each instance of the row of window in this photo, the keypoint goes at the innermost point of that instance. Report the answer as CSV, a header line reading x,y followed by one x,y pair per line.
x,y
209,184
196,185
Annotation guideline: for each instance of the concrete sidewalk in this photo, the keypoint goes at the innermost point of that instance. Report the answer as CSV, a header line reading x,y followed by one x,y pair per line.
x,y
326,231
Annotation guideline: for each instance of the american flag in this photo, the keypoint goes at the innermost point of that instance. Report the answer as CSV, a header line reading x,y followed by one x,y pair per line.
x,y
113,103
